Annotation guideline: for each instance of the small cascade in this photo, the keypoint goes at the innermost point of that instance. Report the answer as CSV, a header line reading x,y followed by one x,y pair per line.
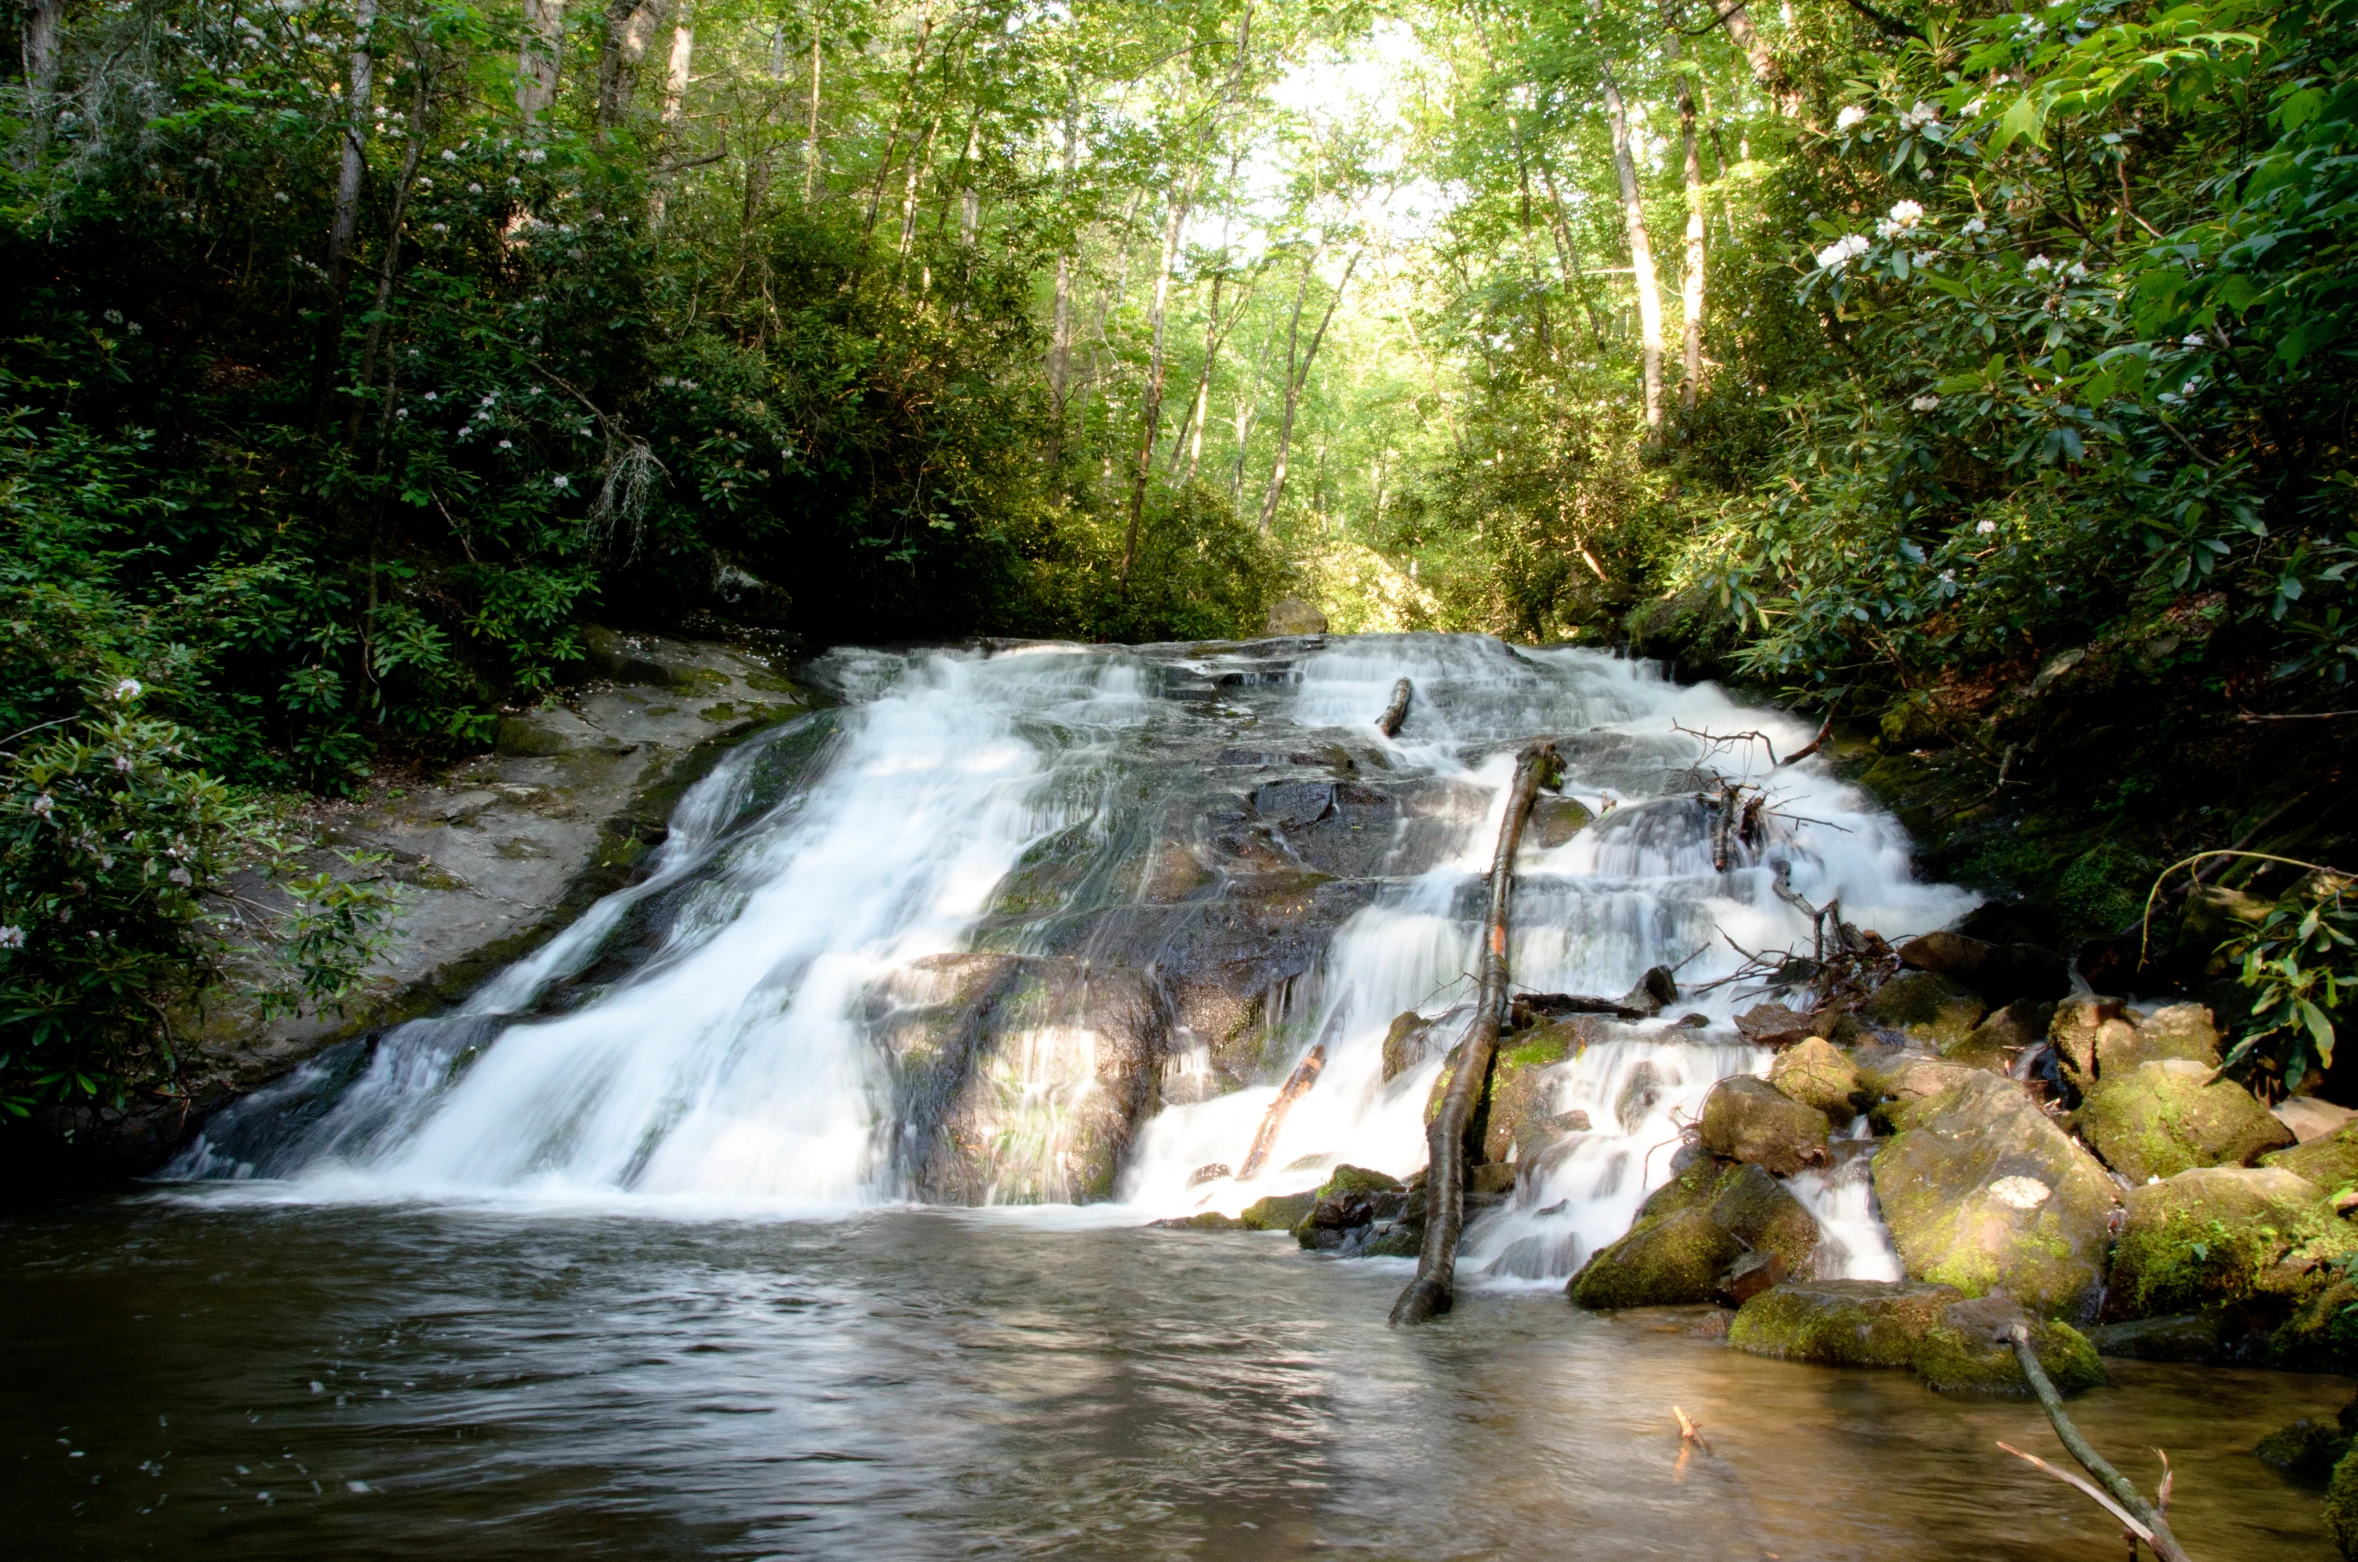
x,y
1853,1242
1052,924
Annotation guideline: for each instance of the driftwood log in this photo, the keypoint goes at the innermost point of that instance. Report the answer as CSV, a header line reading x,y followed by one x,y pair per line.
x,y
2140,1520
1396,712
1431,1292
1297,1085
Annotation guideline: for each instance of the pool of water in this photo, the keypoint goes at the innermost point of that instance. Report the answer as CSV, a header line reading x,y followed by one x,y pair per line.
x,y
215,1375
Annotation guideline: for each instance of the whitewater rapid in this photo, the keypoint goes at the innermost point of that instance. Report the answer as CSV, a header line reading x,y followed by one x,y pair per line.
x,y
737,1068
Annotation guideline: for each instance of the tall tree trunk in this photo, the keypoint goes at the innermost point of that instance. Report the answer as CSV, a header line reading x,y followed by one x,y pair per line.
x,y
969,197
345,226
630,27
538,61
1296,378
683,54
1201,402
1060,337
892,139
810,145
44,31
919,166
1244,429
1690,280
1569,252
1641,252
1152,408
420,101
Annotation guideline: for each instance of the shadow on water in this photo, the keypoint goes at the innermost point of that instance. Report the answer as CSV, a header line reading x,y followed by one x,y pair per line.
x,y
220,1377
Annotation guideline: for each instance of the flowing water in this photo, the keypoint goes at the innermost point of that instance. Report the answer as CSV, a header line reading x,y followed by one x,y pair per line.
x,y
628,1250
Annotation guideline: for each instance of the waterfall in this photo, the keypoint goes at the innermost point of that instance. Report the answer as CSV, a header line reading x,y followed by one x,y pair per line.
x,y
1052,923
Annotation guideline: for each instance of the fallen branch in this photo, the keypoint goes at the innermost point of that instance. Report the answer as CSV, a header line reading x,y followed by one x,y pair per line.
x,y
1812,746
1396,712
2142,1519
1297,1085
1431,1292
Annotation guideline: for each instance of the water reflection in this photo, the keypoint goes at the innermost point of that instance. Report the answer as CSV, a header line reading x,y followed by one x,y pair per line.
x,y
195,1377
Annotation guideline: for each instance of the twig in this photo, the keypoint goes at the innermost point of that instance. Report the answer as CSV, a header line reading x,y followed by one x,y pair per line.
x,y
1814,744
2311,715
2145,933
2143,1518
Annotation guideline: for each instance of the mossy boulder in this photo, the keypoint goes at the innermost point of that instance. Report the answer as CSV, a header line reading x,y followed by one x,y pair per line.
x,y
1954,1342
1207,1220
1929,1008
2222,1235
2003,1035
2199,1337
2331,1162
1691,1232
2094,1036
1902,1080
1404,1044
1747,1119
1357,1179
2164,1118
1555,820
1982,1191
2308,1448
1522,1093
1278,1212
2341,1505
1819,1075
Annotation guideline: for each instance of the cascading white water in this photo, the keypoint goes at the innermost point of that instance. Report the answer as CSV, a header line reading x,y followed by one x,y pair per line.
x,y
1638,888
751,1060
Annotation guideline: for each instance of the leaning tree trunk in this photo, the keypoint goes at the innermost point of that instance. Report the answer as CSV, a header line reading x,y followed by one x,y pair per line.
x,y
346,225
1433,1289
1641,252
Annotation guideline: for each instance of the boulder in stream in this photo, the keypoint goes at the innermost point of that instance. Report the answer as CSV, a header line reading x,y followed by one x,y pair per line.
x,y
1954,1342
1748,1119
1691,1233
1981,1190
2003,1035
2164,1118
2223,1235
2331,1162
1817,1074
1929,1009
2095,1035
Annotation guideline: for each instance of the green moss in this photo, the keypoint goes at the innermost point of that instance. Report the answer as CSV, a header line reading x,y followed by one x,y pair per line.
x,y
1843,1323
2105,886
2331,1162
1398,1242
1960,1361
1665,1262
1931,1009
2164,1118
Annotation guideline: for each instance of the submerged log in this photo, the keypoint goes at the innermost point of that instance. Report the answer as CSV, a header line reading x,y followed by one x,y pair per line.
x,y
1396,712
1296,1086
1433,1289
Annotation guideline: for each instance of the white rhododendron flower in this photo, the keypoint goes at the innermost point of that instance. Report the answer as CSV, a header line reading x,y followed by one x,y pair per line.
x,y
1974,225
12,938
127,689
1986,528
1851,116
1907,213
1925,403
1841,252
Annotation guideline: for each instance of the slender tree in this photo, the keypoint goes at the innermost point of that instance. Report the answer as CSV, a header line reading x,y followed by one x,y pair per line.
x,y
1641,250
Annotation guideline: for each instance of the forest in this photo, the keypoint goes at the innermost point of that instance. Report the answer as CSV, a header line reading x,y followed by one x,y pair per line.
x,y
1982,374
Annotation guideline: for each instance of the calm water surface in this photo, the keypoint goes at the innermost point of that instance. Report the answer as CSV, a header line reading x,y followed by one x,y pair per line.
x,y
200,1377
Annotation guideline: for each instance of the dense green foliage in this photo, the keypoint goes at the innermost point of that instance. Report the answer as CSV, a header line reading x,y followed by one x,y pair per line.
x,y
1987,369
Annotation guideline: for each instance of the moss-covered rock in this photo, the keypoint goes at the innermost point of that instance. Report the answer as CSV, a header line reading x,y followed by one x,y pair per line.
x,y
2341,1505
1953,1342
2003,1035
2331,1162
2094,1036
2189,1337
1932,1010
1901,1080
1278,1212
1690,1232
1747,1119
1404,1044
1522,1094
1357,1179
1983,1192
1208,1220
2321,1334
1555,820
1819,1075
2308,1449
2224,1234
2164,1118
